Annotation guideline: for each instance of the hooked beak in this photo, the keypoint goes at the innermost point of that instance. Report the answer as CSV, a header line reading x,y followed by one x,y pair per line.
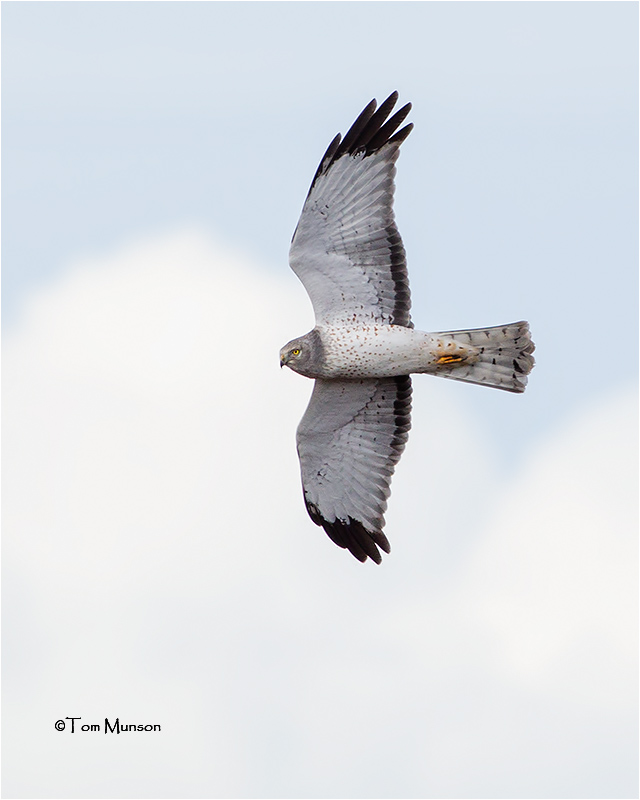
x,y
283,360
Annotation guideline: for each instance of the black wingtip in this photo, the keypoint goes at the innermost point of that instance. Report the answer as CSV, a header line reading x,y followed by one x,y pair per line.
x,y
370,132
351,535
386,132
354,132
402,134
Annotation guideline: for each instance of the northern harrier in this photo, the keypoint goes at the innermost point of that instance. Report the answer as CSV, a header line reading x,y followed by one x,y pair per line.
x,y
348,253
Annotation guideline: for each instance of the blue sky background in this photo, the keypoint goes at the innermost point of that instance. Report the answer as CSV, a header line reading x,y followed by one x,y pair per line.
x,y
155,157
517,192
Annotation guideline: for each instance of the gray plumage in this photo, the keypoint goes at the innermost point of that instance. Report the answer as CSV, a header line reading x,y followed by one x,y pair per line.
x,y
347,252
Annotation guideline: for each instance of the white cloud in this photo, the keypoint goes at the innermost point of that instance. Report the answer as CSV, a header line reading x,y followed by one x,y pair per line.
x,y
562,560
160,566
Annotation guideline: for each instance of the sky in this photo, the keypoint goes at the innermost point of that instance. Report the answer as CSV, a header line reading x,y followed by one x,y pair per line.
x,y
158,562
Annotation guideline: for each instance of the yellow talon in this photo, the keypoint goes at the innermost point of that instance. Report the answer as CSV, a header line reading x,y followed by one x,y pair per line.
x,y
450,360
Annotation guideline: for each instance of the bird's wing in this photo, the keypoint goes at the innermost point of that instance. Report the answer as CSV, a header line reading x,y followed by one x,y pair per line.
x,y
346,249
349,440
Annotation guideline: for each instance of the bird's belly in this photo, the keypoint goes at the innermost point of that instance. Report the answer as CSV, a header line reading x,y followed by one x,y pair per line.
x,y
379,351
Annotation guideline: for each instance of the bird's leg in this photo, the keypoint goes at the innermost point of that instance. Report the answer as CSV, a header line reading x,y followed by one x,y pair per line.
x,y
452,352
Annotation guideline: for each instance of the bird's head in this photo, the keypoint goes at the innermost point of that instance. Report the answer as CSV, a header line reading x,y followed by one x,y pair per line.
x,y
293,353
303,355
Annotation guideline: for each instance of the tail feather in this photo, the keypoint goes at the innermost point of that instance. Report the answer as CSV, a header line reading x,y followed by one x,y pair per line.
x,y
500,357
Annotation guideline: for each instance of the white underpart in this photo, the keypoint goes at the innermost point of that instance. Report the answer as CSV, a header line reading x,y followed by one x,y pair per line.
x,y
382,351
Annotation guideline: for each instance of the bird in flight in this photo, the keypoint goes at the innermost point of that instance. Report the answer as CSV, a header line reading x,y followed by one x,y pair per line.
x,y
348,254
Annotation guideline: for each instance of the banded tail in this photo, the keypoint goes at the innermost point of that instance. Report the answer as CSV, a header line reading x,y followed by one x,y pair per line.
x,y
500,357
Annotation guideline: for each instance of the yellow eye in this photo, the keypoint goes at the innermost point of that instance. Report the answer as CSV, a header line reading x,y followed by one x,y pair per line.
x,y
295,352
